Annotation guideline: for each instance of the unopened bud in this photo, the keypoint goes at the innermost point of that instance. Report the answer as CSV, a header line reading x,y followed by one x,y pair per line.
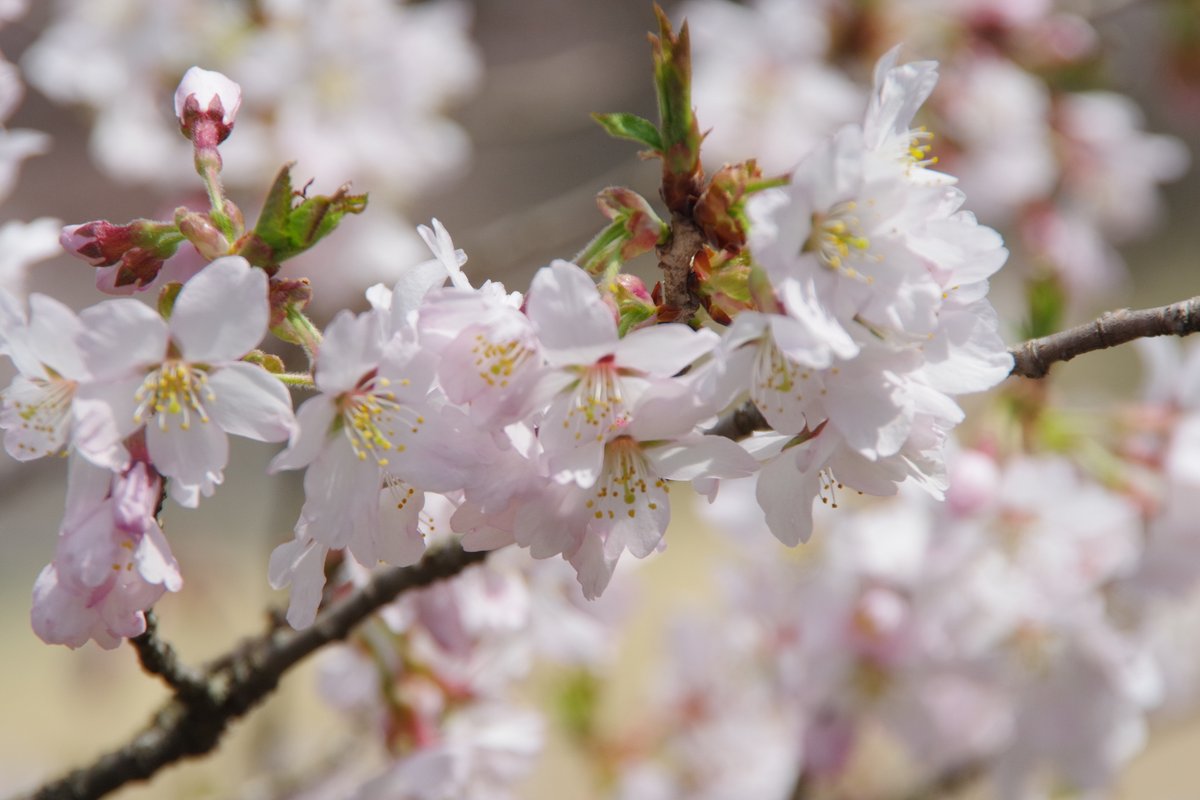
x,y
138,249
199,229
287,295
206,104
635,307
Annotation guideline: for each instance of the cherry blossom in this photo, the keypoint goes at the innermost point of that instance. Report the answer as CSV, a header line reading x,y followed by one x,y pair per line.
x,y
595,377
111,563
38,406
181,379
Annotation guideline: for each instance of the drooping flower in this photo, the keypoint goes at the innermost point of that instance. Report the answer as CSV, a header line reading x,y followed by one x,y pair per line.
x,y
112,561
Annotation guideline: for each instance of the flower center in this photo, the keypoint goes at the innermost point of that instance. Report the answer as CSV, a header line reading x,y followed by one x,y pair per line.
x,y
498,361
175,389
627,484
777,377
372,420
837,237
829,487
43,413
919,148
597,409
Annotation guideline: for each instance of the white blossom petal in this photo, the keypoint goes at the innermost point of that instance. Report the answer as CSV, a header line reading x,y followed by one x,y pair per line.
x,y
221,313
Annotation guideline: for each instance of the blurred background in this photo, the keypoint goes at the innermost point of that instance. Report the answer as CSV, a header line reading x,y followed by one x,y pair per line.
x,y
476,113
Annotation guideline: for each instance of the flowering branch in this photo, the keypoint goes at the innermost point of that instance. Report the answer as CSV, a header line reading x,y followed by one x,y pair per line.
x,y
1033,359
193,721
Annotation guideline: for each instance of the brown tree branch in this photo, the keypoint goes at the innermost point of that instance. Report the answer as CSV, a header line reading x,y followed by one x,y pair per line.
x,y
675,260
1033,359
159,658
193,721
740,422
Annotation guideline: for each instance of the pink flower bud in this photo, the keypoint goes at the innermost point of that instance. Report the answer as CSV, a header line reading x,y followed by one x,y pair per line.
x,y
137,249
100,243
197,228
206,104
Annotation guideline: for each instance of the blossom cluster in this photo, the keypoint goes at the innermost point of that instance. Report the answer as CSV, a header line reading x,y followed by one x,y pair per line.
x,y
1062,164
532,414
1010,612
1024,631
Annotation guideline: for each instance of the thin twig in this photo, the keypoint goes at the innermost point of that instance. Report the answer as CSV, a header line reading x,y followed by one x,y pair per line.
x,y
1033,359
192,723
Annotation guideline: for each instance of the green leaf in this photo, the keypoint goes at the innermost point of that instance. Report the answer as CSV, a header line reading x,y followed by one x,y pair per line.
x,y
630,126
292,222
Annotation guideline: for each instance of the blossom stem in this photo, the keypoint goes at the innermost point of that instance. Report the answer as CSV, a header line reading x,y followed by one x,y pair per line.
x,y
208,167
308,334
303,380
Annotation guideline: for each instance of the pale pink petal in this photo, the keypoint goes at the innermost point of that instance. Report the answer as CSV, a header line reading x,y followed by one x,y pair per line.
x,y
314,425
121,336
36,418
90,547
352,347
869,410
221,313
399,540
593,567
104,414
59,615
704,456
786,496
53,331
415,282
341,495
155,562
580,465
574,324
663,350
301,564
194,457
135,499
251,402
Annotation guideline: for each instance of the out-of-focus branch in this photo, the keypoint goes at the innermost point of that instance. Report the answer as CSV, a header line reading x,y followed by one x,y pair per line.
x,y
1033,359
196,717
952,780
939,787
739,423
159,658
